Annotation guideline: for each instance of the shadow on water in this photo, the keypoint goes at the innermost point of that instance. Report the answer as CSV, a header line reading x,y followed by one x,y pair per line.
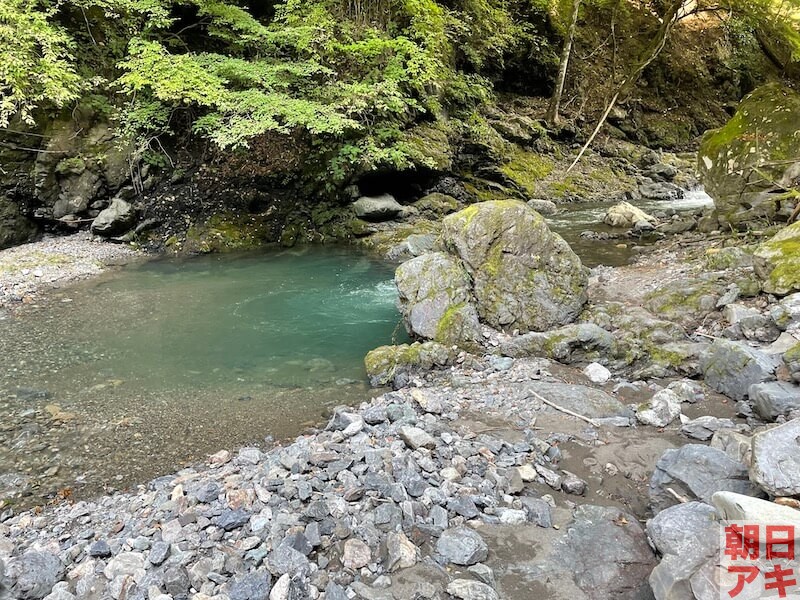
x,y
129,376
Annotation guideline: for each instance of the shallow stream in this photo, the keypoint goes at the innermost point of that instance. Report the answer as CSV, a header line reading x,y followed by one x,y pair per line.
x,y
129,376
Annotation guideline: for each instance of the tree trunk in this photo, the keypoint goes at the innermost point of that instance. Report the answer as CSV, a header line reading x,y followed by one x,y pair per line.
x,y
555,101
670,18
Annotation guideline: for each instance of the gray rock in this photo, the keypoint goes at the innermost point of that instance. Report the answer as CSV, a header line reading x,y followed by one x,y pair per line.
x,y
401,552
732,367
524,276
581,399
461,546
334,591
435,299
415,438
681,528
232,519
416,244
627,215
158,553
687,390
377,208
467,589
732,443
697,471
115,219
286,559
786,314
208,492
572,484
543,207
100,549
775,398
703,428
537,511
660,190
251,586
664,407
775,459
32,575
736,507
759,328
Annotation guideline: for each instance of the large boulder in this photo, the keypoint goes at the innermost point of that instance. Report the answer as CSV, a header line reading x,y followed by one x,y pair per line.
x,y
115,219
525,277
15,228
747,164
775,462
387,364
732,367
377,208
435,299
777,261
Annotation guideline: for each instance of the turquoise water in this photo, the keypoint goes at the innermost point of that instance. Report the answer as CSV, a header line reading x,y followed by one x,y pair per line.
x,y
289,318
123,378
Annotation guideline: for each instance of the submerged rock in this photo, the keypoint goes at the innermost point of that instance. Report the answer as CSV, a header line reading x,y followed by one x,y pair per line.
x,y
525,277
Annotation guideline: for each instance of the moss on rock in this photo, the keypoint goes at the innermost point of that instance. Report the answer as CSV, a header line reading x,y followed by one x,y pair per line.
x,y
778,261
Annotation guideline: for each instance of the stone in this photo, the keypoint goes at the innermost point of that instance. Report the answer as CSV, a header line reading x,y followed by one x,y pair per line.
x,y
759,328
435,299
461,546
743,164
660,190
687,390
32,575
703,428
572,484
697,471
100,549
130,564
415,438
777,261
664,407
437,204
626,215
587,401
732,443
386,363
415,244
732,367
250,586
775,459
286,559
677,529
158,553
736,507
543,207
597,373
356,554
232,519
786,313
774,399
537,511
116,219
401,552
468,589
377,208
524,276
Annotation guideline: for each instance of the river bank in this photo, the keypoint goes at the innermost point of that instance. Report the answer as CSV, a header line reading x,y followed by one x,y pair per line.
x,y
53,262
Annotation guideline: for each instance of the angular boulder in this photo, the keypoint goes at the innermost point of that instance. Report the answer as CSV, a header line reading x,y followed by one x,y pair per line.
x,y
377,208
524,276
697,471
775,459
15,228
747,164
435,299
775,398
115,219
777,261
732,367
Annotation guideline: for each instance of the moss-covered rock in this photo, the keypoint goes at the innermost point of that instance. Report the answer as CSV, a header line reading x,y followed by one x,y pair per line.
x,y
777,261
226,233
435,299
746,165
14,227
525,169
429,146
436,204
524,276
385,363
